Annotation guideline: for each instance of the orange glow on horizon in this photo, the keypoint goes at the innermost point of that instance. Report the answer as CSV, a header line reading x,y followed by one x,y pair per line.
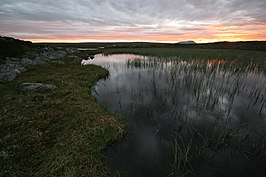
x,y
228,38
210,33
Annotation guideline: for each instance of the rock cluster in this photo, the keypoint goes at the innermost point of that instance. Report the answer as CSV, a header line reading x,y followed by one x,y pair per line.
x,y
36,87
15,66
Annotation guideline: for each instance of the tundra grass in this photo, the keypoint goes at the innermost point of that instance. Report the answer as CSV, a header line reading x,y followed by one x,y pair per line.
x,y
192,53
57,133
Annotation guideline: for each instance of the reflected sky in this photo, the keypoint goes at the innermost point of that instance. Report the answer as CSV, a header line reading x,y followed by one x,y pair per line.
x,y
208,107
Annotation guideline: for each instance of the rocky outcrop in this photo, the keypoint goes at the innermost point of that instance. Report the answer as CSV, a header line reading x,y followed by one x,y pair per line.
x,y
36,87
8,72
75,58
28,62
15,66
49,54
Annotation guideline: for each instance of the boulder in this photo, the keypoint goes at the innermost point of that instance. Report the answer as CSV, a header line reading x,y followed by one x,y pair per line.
x,y
14,66
9,72
36,87
39,61
12,61
53,54
4,77
26,62
59,62
75,58
71,50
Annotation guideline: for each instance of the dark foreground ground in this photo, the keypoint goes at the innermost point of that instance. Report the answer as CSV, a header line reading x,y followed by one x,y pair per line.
x,y
62,132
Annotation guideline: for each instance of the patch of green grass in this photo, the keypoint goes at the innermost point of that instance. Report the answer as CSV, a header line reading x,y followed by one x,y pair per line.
x,y
191,53
58,133
239,58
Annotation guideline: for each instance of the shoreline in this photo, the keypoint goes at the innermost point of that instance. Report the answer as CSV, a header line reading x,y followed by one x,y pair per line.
x,y
63,132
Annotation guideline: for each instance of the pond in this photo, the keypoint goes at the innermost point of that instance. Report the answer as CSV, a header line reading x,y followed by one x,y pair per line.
x,y
185,117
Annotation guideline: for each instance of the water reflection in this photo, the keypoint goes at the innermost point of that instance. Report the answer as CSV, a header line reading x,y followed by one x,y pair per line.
x,y
185,117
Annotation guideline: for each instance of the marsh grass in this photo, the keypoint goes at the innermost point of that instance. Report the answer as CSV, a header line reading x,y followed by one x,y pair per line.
x,y
239,58
58,133
181,163
208,107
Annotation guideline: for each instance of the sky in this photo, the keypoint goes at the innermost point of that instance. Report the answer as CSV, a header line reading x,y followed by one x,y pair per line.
x,y
133,20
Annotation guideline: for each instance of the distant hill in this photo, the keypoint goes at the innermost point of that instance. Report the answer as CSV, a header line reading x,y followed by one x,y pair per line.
x,y
11,47
187,42
242,45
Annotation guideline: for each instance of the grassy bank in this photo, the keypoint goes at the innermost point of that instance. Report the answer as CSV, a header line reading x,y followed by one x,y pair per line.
x,y
58,133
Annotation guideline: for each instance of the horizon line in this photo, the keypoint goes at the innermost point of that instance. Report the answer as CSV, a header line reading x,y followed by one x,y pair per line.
x,y
129,41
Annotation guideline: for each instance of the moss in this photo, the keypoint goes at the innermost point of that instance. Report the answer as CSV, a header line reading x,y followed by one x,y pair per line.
x,y
60,133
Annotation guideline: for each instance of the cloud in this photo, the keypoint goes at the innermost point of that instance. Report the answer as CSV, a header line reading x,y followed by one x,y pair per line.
x,y
167,20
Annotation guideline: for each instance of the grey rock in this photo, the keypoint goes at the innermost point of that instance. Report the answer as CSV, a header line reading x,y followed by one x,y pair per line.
x,y
36,87
15,66
31,54
19,70
4,68
9,72
57,62
60,54
49,53
75,58
26,62
39,61
53,54
12,61
71,50
4,77
48,49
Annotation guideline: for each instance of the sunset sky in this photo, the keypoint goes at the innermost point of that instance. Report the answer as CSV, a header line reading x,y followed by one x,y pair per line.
x,y
133,20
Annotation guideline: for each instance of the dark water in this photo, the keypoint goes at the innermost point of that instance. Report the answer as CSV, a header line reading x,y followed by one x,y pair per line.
x,y
185,117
